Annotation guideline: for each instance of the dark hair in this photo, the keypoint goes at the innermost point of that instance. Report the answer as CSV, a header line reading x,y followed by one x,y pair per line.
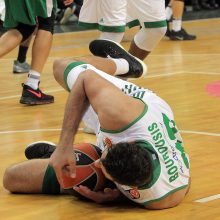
x,y
128,164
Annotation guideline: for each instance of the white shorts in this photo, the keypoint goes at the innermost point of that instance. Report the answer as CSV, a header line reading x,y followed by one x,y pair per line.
x,y
2,10
147,13
105,15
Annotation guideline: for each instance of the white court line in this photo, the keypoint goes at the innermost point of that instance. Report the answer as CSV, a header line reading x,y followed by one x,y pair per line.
x,y
200,132
208,199
34,130
80,129
148,76
201,73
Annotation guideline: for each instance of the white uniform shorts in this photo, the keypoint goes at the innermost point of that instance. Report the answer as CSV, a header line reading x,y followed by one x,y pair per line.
x,y
147,13
105,15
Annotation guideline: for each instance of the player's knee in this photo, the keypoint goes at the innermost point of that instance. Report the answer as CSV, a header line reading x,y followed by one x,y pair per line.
x,y
25,30
57,71
8,179
147,38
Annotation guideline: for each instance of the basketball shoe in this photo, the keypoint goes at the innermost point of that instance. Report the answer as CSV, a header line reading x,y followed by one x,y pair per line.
x,y
181,35
39,149
111,49
34,97
20,67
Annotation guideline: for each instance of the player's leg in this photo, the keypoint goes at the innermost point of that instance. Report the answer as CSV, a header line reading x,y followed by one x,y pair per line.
x,y
31,94
9,41
20,65
26,177
153,26
64,65
177,32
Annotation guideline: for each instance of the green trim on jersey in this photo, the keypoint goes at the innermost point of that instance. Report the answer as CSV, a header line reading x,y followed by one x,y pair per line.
x,y
155,163
130,124
50,182
103,28
153,24
172,191
68,69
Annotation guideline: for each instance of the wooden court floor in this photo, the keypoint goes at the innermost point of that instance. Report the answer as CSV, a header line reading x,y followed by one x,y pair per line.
x,y
179,72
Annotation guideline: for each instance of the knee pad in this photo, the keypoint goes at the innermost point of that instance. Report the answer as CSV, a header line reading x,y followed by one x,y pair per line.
x,y
46,24
147,38
25,30
116,37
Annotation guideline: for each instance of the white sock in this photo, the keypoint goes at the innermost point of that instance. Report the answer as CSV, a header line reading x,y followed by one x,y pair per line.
x,y
169,12
176,24
122,66
33,79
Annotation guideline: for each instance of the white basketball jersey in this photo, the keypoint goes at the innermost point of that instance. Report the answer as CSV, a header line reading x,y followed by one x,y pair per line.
x,y
155,130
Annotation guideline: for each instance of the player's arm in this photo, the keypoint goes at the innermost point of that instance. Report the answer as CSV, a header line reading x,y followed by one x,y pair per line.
x,y
115,110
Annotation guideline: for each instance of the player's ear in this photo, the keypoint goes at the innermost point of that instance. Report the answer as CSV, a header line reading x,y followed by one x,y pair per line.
x,y
98,163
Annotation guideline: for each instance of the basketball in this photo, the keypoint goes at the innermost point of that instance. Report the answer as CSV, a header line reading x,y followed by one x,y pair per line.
x,y
87,174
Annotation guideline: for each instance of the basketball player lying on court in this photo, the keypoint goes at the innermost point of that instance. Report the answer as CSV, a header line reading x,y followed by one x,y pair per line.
x,y
142,150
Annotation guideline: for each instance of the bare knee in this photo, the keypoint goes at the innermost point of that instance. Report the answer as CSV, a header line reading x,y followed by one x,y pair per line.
x,y
9,179
57,69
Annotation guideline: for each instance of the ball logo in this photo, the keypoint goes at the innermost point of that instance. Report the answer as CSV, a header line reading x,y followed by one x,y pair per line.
x,y
134,193
108,142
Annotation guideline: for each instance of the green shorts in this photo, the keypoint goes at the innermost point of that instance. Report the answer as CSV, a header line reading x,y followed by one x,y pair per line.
x,y
50,182
26,11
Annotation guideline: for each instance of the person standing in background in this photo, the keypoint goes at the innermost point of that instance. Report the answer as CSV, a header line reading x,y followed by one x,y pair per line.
x,y
174,14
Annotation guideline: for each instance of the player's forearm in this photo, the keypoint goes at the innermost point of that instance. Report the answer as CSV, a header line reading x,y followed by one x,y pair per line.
x,y
76,106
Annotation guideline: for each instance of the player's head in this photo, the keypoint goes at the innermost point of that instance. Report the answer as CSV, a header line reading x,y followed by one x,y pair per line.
x,y
127,164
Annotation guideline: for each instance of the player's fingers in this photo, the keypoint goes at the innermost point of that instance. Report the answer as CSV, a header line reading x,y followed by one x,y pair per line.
x,y
72,168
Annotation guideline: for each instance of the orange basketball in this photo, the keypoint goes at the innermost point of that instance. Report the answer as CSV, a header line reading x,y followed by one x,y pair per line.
x,y
86,172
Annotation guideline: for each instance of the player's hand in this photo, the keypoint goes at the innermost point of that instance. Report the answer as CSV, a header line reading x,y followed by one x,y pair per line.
x,y
68,2
99,197
64,162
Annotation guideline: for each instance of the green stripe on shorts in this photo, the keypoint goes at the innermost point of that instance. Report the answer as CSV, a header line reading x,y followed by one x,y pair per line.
x,y
50,182
115,29
68,69
155,24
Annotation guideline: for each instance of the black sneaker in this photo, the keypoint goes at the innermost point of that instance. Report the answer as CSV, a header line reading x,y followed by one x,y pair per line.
x,y
108,48
181,35
34,97
39,149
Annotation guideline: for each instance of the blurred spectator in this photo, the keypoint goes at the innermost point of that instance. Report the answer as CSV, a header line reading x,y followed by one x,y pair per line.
x,y
204,4
64,14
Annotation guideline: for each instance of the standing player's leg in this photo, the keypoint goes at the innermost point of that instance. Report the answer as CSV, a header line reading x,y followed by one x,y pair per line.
x,y
177,32
9,40
153,25
40,51
20,65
